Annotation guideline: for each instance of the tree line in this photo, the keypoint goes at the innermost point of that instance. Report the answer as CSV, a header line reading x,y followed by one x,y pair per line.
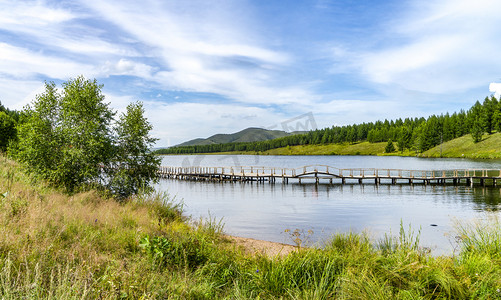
x,y
415,134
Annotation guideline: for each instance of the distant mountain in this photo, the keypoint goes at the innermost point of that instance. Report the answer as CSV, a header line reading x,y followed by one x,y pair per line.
x,y
246,135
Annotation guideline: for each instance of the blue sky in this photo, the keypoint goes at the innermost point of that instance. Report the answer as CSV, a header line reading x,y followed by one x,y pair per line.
x,y
206,67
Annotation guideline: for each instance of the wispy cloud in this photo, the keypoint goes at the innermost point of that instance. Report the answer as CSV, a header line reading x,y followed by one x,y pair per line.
x,y
21,15
437,47
127,67
215,54
22,63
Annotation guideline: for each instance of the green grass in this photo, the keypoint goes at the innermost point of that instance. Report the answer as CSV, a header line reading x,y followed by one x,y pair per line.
x,y
360,148
463,147
363,148
489,147
55,246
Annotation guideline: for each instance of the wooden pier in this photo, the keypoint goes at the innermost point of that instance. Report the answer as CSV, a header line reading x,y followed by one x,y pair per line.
x,y
332,175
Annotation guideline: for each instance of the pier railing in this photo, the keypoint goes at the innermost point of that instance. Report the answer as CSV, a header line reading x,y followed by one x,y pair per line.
x,y
261,173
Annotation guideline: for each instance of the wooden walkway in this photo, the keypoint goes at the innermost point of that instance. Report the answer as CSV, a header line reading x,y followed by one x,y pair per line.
x,y
322,173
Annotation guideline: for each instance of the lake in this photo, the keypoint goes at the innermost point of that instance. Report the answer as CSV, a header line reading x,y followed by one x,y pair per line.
x,y
264,211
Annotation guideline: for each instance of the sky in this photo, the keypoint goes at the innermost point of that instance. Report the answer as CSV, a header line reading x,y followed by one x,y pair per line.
x,y
220,66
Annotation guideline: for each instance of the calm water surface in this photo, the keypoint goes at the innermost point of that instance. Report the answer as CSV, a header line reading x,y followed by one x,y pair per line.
x,y
265,211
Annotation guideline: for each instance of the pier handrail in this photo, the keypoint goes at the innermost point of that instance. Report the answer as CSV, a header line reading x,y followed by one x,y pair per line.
x,y
333,171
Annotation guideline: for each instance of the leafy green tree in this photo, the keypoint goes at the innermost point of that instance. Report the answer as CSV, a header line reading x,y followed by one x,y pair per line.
x,y
487,113
429,133
405,139
448,128
85,131
39,146
14,114
68,139
496,116
477,130
135,166
8,130
389,147
352,135
476,121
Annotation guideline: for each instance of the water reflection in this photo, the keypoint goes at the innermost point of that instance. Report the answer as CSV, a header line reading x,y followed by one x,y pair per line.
x,y
264,210
486,198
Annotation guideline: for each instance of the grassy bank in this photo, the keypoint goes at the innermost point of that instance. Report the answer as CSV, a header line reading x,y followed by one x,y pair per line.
x,y
85,247
463,147
489,147
363,148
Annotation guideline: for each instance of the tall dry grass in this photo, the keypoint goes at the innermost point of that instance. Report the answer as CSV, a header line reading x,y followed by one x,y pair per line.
x,y
84,246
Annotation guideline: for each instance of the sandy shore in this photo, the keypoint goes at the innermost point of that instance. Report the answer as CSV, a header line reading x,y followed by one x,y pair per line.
x,y
267,248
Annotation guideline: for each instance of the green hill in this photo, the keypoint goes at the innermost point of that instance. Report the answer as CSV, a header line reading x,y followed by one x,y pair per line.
x,y
246,135
489,147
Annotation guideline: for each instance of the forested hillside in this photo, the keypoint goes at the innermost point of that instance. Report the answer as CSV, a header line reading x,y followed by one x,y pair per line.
x,y
418,134
246,135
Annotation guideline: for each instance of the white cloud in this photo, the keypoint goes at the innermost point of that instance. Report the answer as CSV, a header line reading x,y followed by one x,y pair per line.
x,y
22,63
350,111
18,93
127,67
33,13
213,53
386,66
437,46
90,46
57,29
495,88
